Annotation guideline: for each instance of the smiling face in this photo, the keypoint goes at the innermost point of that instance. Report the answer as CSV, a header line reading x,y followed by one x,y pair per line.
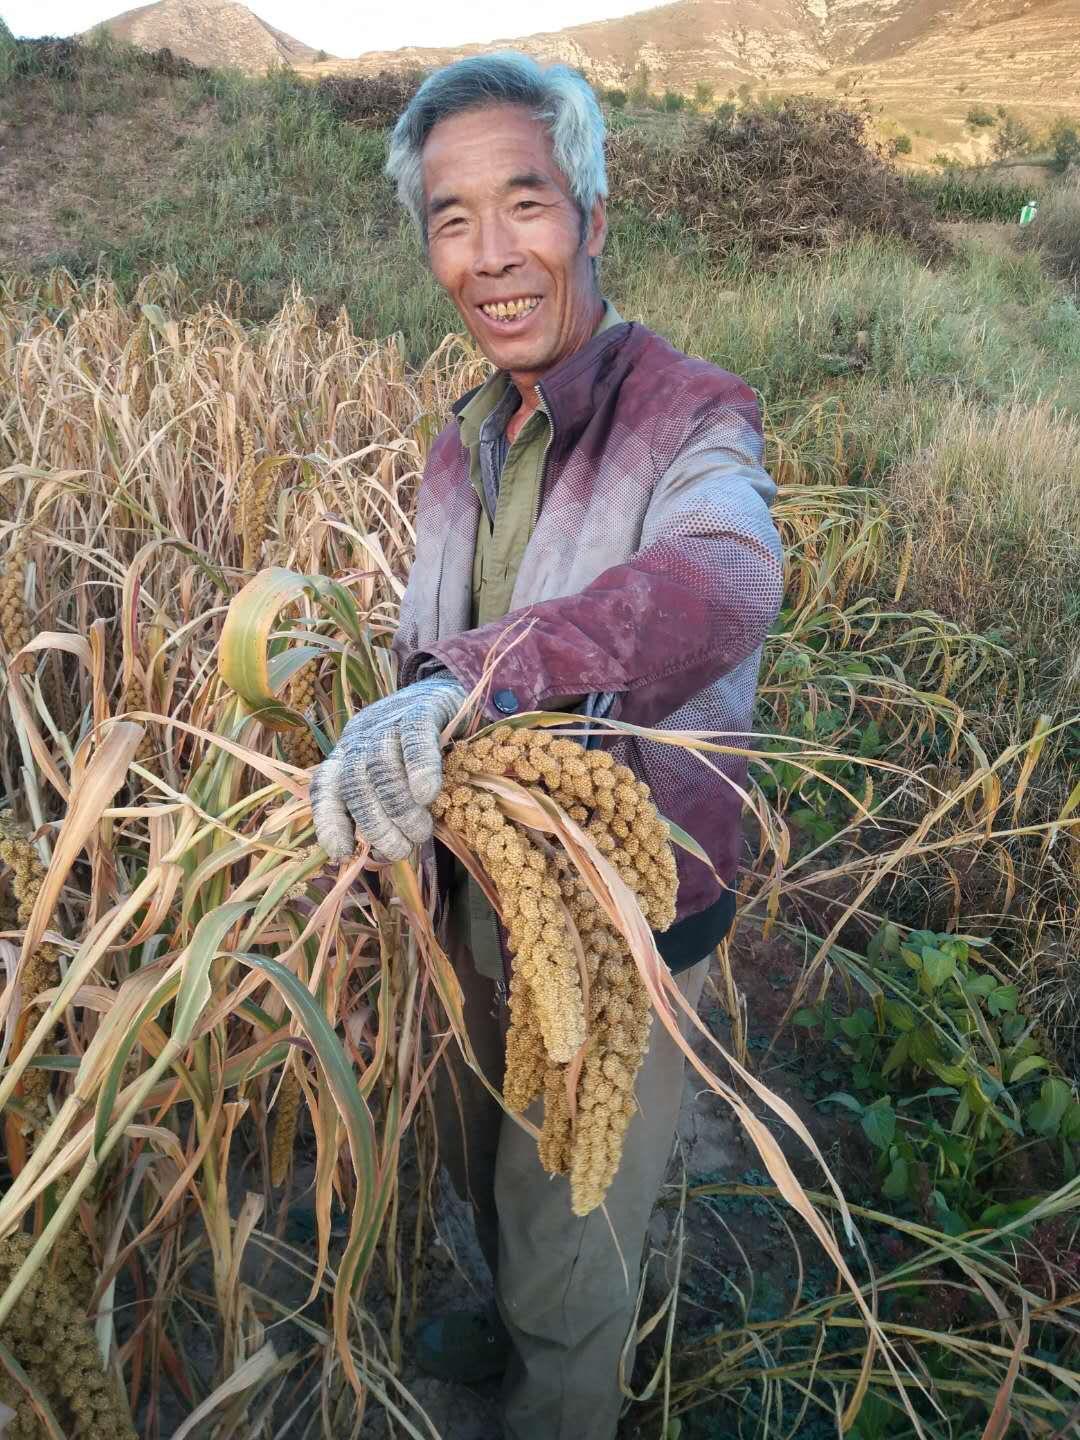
x,y
505,240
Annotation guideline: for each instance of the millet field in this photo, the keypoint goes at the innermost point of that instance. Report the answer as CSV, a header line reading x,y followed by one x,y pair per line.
x,y
222,363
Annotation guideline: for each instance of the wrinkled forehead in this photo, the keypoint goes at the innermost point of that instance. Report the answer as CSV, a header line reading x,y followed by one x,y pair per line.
x,y
483,152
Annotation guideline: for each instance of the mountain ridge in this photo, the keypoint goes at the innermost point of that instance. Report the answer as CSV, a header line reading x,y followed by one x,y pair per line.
x,y
209,32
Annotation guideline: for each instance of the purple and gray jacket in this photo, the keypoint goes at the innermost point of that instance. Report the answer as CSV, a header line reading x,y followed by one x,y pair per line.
x,y
651,578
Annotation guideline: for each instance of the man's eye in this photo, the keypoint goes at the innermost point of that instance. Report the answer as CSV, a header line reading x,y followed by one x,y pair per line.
x,y
528,205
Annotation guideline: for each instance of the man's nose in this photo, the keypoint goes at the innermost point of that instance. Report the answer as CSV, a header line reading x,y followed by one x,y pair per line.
x,y
496,250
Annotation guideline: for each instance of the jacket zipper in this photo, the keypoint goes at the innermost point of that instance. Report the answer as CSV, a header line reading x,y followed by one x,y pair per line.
x,y
543,406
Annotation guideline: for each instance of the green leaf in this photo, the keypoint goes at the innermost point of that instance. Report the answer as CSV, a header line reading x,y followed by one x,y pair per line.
x,y
897,1055
244,649
924,1045
879,1123
938,966
1026,1066
858,1024
807,1019
841,1097
932,1093
895,1184
189,982
994,1216
1002,999
1045,1115
980,985
951,1074
870,740
1070,1123
899,1015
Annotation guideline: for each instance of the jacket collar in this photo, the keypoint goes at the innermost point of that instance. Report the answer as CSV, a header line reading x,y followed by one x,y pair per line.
x,y
567,390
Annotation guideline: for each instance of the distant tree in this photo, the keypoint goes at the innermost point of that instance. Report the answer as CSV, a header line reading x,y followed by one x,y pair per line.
x,y
1011,138
673,101
639,88
746,92
703,94
321,56
725,112
901,144
616,99
1065,143
979,117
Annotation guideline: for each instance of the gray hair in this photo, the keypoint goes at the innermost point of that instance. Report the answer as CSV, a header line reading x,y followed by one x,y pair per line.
x,y
555,95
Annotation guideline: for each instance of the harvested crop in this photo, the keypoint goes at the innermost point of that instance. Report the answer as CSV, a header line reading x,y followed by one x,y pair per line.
x,y
575,989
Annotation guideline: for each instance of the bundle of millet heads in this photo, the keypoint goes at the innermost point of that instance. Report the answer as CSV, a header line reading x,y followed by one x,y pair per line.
x,y
578,1045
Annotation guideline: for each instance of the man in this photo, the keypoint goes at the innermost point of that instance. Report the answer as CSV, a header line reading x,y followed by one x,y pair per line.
x,y
601,503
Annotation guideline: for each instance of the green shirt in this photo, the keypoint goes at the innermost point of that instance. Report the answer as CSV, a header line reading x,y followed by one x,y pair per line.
x,y
501,538
500,544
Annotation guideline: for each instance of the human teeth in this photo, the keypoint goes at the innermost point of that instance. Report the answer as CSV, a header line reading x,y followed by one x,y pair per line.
x,y
511,309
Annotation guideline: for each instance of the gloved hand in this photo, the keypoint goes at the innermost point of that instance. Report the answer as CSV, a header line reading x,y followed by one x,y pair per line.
x,y
385,771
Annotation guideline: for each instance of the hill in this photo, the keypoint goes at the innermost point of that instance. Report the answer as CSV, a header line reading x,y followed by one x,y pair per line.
x,y
923,61
209,32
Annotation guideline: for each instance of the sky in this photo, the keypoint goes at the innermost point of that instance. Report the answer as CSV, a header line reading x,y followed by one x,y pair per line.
x,y
346,28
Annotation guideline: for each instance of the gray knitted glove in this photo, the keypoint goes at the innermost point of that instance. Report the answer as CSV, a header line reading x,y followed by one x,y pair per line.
x,y
385,771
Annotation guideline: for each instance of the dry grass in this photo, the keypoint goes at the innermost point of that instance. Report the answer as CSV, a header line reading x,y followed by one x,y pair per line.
x,y
154,461
801,177
1055,231
996,502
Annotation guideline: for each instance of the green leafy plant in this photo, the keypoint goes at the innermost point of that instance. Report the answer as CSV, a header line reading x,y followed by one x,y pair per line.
x,y
972,196
979,117
947,1078
1013,137
1065,143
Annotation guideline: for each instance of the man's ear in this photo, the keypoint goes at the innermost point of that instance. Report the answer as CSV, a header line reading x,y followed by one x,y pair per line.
x,y
596,232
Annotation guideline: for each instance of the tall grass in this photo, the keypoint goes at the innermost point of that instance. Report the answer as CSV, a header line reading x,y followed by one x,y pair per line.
x,y
213,979
208,440
954,196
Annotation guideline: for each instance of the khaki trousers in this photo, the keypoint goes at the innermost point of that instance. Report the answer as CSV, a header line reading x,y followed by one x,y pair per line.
x,y
559,1280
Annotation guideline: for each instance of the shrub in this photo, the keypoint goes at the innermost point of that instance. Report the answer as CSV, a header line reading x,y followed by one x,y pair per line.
x,y
979,117
371,100
673,101
321,57
639,90
800,178
616,99
902,144
725,112
1065,143
703,94
1012,138
59,58
1055,231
